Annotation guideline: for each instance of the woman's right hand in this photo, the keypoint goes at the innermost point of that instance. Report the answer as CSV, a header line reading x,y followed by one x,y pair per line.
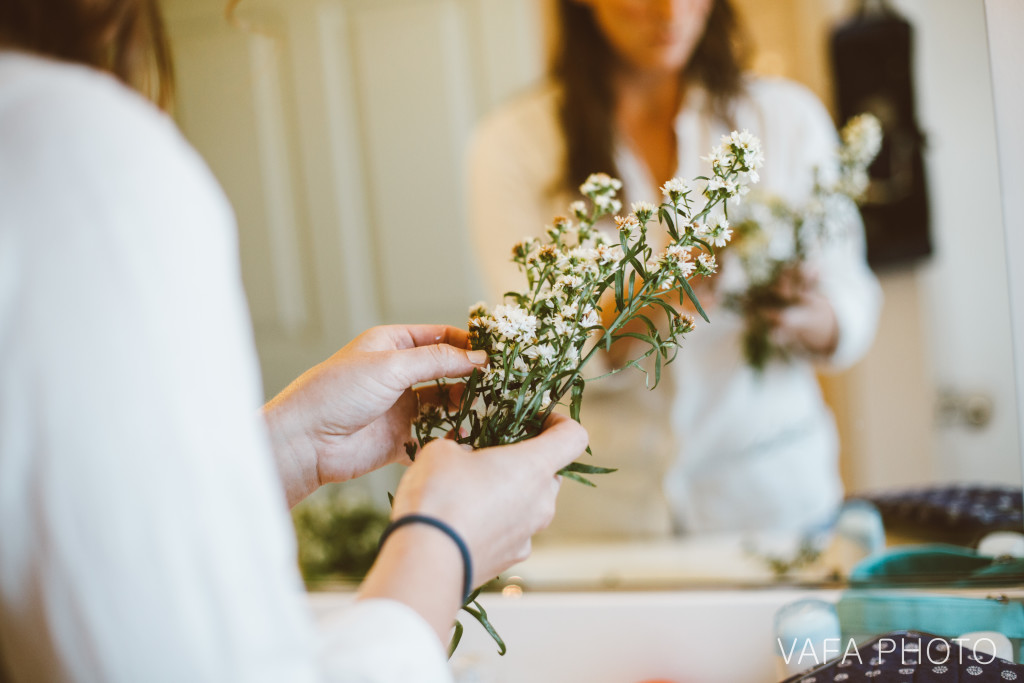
x,y
496,499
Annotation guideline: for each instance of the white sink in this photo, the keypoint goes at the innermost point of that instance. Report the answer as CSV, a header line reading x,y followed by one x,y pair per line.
x,y
719,636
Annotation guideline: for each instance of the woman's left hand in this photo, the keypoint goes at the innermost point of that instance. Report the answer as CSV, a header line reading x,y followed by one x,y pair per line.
x,y
352,413
808,323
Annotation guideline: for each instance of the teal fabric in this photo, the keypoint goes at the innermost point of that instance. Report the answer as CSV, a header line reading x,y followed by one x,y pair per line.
x,y
928,564
873,613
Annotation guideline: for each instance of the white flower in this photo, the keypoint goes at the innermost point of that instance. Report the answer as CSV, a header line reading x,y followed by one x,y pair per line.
x,y
608,254
643,210
578,209
707,263
600,183
559,226
677,262
514,323
677,252
722,183
569,309
674,189
564,324
698,228
523,249
607,203
720,232
585,254
589,317
747,149
568,281
545,352
721,237
628,224
862,139
478,310
717,158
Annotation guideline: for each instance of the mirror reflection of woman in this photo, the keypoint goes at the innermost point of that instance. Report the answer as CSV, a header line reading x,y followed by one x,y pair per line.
x,y
641,89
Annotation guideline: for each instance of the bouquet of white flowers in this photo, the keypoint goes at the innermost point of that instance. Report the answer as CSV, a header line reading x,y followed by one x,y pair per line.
x,y
587,289
774,237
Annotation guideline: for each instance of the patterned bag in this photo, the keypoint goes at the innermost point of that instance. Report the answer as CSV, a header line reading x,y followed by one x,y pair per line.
x,y
912,657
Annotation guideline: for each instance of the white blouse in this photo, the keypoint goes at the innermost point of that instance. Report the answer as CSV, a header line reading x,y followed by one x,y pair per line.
x,y
728,449
144,534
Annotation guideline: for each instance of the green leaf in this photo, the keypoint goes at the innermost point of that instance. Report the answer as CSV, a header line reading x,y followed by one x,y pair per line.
x,y
391,499
586,469
576,477
481,616
619,301
665,306
636,335
666,217
693,298
577,398
651,327
636,266
708,247
520,299
469,395
456,638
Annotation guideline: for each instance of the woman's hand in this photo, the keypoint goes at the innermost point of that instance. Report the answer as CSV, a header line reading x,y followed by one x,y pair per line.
x,y
806,324
352,413
495,498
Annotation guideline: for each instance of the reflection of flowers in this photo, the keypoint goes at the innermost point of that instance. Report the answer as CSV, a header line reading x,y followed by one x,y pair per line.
x,y
539,340
776,237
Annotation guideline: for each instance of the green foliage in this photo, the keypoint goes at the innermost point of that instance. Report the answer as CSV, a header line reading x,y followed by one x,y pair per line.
x,y
337,539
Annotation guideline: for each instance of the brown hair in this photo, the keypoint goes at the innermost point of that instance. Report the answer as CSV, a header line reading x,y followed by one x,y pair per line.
x,y
582,65
124,37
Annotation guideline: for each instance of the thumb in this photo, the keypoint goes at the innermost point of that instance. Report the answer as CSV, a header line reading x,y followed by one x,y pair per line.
x,y
427,363
561,442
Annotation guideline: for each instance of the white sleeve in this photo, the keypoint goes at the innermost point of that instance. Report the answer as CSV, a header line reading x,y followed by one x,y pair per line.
x,y
144,534
845,278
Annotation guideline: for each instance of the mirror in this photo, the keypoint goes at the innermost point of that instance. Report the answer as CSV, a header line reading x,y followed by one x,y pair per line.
x,y
339,130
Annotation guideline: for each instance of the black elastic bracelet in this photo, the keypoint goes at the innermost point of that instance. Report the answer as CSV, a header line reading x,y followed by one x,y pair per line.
x,y
467,562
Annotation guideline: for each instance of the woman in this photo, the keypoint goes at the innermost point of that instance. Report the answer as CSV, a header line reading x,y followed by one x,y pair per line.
x,y
642,89
144,533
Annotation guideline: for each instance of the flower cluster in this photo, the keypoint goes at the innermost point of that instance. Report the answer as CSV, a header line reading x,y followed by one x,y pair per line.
x,y
862,140
777,236
596,278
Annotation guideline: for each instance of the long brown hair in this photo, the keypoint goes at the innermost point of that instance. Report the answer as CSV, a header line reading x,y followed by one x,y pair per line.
x,y
582,66
124,37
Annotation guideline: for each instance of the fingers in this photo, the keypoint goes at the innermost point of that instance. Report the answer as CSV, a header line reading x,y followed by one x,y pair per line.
x,y
389,337
427,363
561,442
432,394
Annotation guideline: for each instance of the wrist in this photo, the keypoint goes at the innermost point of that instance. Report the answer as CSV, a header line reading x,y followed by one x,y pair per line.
x,y
294,453
422,568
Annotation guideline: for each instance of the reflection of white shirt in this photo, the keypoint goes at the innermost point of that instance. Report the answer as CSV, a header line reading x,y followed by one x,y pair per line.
x,y
144,535
751,451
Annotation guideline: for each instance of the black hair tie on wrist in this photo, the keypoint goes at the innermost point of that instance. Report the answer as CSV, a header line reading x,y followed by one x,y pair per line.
x,y
467,563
